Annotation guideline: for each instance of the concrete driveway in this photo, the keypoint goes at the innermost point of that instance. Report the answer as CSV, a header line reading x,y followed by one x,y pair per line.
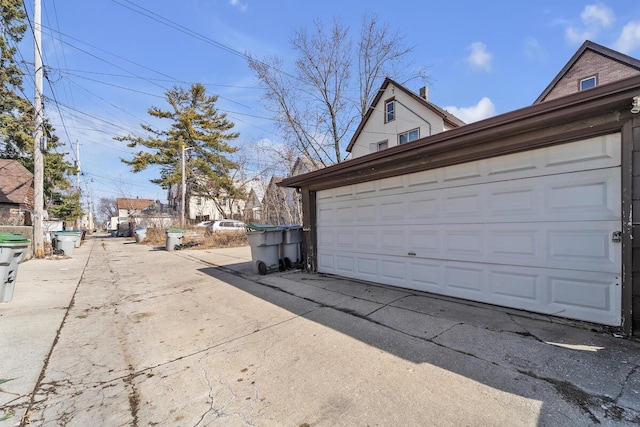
x,y
124,334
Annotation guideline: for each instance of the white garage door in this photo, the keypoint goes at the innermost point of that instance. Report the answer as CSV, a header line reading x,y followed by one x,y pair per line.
x,y
534,230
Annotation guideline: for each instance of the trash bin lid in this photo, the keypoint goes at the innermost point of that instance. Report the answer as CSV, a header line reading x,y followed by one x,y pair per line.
x,y
262,227
12,238
175,230
290,227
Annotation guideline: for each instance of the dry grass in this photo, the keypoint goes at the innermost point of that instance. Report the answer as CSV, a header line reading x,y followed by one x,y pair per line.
x,y
158,237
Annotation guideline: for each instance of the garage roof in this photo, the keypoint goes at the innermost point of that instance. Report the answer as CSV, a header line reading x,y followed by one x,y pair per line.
x,y
478,140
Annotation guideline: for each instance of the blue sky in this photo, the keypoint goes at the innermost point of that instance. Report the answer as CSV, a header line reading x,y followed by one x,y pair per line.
x,y
108,61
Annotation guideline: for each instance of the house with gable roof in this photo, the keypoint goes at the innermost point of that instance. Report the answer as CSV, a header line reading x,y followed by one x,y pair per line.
x,y
398,116
592,65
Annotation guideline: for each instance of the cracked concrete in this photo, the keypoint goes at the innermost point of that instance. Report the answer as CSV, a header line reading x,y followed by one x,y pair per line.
x,y
125,334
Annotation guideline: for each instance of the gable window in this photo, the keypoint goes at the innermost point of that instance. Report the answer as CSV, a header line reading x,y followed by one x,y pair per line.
x,y
389,111
588,83
408,136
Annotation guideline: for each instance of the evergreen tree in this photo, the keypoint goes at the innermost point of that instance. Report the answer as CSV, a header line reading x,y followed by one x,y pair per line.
x,y
197,126
16,111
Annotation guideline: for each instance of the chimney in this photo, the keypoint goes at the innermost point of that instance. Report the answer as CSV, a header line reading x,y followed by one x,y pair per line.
x,y
424,93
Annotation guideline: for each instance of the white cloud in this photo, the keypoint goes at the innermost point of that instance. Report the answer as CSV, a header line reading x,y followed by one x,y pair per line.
x,y
594,18
597,15
482,110
533,50
241,6
629,40
575,36
479,58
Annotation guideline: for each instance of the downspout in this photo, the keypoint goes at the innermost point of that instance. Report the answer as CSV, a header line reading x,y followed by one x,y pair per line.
x,y
417,115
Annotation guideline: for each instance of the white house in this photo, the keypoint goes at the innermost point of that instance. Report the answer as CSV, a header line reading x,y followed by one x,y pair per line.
x,y
398,116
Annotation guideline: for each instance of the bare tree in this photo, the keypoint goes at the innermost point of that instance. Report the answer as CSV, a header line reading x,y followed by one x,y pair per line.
x,y
107,208
312,107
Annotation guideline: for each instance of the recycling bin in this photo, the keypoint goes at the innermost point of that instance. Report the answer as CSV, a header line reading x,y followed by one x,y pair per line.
x,y
291,246
13,249
140,234
174,238
265,243
66,241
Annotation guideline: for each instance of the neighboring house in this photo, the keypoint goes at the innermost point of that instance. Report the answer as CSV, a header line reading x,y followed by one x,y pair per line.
x,y
133,213
398,116
16,193
592,65
531,210
275,207
281,205
253,204
203,208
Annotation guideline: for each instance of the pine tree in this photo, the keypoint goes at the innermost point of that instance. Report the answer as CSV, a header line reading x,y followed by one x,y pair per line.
x,y
197,126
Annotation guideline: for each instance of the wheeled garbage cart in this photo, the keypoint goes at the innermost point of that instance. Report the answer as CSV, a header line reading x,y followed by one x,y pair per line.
x,y
66,241
140,234
174,238
290,248
13,249
265,243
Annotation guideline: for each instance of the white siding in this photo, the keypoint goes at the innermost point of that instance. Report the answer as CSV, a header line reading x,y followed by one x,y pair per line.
x,y
530,230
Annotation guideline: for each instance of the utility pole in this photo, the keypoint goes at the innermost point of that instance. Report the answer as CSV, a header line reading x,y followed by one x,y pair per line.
x,y
38,138
78,172
78,221
184,185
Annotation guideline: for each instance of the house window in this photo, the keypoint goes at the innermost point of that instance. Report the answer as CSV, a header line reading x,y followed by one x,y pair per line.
x,y
588,83
389,111
198,201
408,136
378,146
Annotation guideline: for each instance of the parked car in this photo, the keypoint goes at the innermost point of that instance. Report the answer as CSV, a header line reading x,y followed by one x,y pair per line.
x,y
203,223
226,225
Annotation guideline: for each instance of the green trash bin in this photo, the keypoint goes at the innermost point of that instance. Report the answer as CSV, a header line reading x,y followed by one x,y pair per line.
x,y
174,237
13,249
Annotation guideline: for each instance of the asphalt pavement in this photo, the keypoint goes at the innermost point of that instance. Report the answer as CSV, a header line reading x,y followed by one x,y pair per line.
x,y
124,334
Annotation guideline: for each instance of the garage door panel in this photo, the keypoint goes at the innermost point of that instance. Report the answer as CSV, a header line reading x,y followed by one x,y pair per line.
x,y
529,230
509,286
393,241
367,267
603,151
465,281
426,275
569,293
584,245
427,242
518,200
592,195
393,272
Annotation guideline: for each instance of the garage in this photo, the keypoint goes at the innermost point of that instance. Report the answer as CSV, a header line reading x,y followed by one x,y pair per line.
x,y
537,230
530,210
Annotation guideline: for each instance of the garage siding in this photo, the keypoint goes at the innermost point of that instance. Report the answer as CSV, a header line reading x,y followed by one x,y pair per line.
x,y
531,230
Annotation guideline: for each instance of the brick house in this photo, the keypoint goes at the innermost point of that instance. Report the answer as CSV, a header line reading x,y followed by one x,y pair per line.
x,y
592,65
16,193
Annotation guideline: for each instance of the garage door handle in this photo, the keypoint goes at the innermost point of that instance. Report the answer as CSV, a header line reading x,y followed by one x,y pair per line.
x,y
616,236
